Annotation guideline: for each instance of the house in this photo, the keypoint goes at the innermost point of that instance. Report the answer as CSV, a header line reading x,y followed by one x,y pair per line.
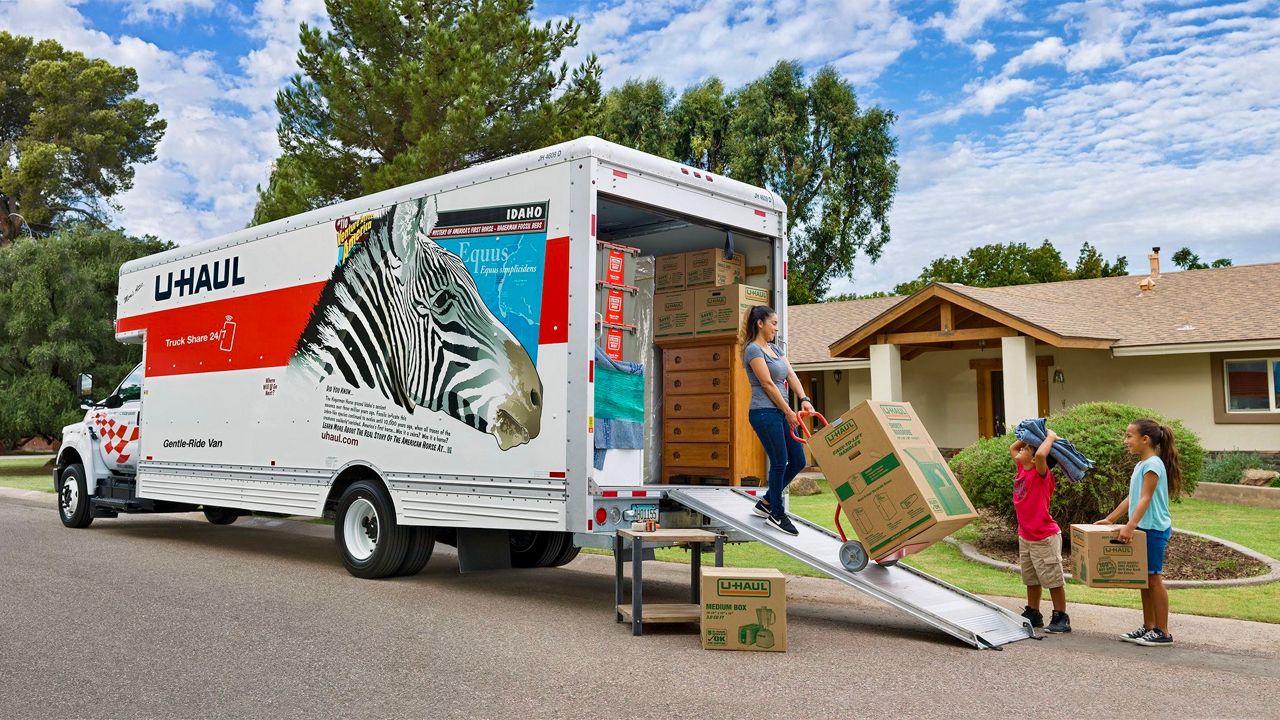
x,y
1200,345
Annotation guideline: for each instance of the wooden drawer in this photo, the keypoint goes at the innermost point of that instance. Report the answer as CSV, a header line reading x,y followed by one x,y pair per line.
x,y
696,454
694,406
696,431
696,358
696,382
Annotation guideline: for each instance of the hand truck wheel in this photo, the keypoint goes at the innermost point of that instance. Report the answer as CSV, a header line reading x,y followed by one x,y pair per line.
x,y
853,556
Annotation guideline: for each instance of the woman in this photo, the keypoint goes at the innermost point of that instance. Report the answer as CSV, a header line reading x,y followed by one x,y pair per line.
x,y
770,415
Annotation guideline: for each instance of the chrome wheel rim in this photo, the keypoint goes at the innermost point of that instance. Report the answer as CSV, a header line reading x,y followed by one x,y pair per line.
x,y
69,498
360,529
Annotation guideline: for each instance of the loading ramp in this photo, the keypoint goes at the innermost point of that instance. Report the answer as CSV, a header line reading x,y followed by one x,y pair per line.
x,y
976,621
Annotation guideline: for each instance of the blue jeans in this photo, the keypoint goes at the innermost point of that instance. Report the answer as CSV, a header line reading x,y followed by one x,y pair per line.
x,y
786,454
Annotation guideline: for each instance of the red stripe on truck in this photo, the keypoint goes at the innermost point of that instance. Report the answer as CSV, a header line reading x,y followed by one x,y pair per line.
x,y
238,333
554,326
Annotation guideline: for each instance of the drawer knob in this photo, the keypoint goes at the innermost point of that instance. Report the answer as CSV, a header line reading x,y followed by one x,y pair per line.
x,y
676,454
677,407
715,406
676,431
678,359
715,454
715,430
715,382
678,383
715,356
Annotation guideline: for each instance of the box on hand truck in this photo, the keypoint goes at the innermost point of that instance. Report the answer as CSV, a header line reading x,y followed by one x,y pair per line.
x,y
890,480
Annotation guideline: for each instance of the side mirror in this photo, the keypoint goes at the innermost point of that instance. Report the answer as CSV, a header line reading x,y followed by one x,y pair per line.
x,y
86,386
113,401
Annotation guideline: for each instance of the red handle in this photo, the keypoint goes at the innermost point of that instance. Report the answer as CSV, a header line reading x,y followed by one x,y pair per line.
x,y
838,526
807,433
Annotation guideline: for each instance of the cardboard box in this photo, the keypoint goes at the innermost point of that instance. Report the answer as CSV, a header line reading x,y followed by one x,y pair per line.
x,y
744,609
889,478
1099,560
669,272
673,313
710,268
724,309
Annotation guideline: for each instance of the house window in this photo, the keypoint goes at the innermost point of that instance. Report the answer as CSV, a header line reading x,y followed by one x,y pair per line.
x,y
1252,385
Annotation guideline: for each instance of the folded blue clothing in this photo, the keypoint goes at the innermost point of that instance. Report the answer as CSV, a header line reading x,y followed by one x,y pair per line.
x,y
1074,464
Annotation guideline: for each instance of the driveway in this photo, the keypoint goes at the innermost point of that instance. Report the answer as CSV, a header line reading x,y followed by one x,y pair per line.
x,y
169,616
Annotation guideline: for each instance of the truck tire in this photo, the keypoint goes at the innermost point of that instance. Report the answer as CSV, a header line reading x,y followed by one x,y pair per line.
x,y
220,515
567,555
422,542
370,542
535,548
73,498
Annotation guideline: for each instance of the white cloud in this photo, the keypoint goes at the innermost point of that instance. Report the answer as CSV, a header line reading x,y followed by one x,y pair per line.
x,y
143,11
1048,51
982,50
967,18
685,42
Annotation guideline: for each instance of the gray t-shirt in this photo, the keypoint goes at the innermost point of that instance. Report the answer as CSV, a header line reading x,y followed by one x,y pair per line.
x,y
778,371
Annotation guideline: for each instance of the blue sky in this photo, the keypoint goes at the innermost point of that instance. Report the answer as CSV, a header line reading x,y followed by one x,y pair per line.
x,y
1123,123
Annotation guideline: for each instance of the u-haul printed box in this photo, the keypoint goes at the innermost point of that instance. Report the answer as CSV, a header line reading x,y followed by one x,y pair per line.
x,y
724,309
705,268
744,609
673,313
1099,560
890,479
669,272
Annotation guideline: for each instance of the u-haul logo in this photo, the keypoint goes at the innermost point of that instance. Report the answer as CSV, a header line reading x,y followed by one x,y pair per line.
x,y
215,275
895,412
744,588
1117,549
842,430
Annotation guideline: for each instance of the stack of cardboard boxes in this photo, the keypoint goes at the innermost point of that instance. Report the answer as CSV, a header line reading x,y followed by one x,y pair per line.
x,y
702,293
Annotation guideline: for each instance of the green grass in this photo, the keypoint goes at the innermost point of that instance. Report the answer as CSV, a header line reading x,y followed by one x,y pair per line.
x,y
26,474
1257,528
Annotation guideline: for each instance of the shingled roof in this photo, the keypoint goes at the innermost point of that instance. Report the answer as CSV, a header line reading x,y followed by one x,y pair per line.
x,y
1184,308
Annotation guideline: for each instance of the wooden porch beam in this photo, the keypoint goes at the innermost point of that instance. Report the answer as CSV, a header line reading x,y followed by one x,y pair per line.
x,y
948,324
917,338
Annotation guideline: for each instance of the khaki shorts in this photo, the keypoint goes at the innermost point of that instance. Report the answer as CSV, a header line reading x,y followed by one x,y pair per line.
x,y
1041,561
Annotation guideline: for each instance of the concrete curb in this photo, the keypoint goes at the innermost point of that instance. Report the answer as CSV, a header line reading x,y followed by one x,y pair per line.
x,y
972,553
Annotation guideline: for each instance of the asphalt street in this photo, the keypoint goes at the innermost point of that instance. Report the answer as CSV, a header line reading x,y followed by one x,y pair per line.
x,y
169,616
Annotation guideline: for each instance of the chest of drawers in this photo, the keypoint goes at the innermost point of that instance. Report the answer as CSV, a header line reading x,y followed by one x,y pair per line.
x,y
706,438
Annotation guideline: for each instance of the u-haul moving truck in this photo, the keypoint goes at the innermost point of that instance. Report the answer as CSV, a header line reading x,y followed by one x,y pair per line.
x,y
415,363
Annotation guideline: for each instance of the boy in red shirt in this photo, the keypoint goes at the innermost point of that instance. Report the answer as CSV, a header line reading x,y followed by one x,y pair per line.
x,y
1039,537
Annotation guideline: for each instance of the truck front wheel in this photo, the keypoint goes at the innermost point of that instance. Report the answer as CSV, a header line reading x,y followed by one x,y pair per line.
x,y
73,498
372,545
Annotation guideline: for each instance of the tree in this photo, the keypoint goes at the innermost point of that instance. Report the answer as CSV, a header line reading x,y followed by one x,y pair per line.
x,y
1001,264
402,90
1188,260
639,110
808,142
70,134
57,311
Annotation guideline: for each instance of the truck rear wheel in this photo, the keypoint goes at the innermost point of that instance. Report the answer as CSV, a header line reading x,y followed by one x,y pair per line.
x,y
372,545
567,555
535,548
73,498
422,542
220,515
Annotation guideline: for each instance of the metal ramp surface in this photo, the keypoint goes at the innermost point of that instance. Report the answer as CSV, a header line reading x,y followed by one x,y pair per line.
x,y
970,618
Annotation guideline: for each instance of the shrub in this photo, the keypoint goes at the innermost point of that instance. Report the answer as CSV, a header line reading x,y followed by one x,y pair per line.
x,y
1228,468
1096,429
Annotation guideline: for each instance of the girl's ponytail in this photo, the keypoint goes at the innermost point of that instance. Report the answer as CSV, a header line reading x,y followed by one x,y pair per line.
x,y
1172,462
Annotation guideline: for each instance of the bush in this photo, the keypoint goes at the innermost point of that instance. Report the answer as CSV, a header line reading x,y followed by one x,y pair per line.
x,y
1228,468
1096,429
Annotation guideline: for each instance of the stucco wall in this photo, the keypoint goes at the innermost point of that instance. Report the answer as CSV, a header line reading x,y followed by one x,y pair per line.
x,y
943,390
